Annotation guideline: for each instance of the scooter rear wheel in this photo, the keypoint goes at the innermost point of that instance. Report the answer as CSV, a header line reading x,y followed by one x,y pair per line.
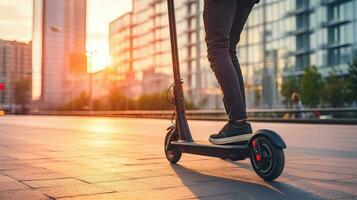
x,y
270,164
173,154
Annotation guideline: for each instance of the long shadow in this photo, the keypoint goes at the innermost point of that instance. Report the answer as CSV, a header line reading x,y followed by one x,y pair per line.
x,y
286,188
205,186
324,152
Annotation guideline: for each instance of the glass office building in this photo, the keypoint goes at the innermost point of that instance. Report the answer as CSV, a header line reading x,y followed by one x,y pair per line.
x,y
280,39
58,58
121,42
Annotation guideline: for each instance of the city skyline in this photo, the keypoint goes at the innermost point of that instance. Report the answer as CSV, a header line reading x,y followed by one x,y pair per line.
x,y
280,40
273,47
16,24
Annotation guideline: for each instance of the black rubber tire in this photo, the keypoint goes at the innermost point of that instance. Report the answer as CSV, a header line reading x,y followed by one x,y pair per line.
x,y
278,161
173,154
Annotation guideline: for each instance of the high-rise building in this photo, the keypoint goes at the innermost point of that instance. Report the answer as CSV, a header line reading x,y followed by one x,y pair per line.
x,y
121,43
149,53
280,39
59,59
15,66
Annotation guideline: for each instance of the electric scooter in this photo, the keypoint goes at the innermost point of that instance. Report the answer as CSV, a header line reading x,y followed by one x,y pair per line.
x,y
265,148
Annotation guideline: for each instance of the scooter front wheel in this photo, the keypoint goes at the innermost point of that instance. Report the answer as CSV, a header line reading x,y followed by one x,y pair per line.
x,y
173,154
269,160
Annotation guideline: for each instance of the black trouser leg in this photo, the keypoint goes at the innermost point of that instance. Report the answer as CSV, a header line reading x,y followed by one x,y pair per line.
x,y
224,21
243,10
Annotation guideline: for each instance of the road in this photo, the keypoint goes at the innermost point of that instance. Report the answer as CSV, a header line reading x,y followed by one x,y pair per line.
x,y
43,157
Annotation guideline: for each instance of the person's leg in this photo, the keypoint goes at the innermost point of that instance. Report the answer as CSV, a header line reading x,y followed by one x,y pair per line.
x,y
243,10
218,18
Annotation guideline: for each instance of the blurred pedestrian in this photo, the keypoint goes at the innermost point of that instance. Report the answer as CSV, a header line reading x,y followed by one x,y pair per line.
x,y
297,105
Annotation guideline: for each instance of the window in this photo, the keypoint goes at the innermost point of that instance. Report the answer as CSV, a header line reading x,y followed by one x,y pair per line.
x,y
340,55
302,61
302,21
302,4
303,41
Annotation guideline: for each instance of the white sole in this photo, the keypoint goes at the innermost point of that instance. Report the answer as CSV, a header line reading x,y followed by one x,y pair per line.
x,y
233,139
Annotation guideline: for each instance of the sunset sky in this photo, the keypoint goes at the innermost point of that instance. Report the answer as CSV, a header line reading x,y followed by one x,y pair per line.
x,y
16,24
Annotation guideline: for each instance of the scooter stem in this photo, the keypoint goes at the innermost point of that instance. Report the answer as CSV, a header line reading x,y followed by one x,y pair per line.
x,y
181,121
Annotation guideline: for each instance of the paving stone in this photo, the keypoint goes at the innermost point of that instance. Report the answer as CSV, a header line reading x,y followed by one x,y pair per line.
x,y
318,175
9,166
349,198
207,165
235,173
98,164
4,158
219,197
4,179
76,161
162,194
27,170
53,182
24,156
350,181
107,196
132,168
73,190
41,176
38,161
167,182
324,168
142,174
228,187
197,191
126,185
124,161
98,178
22,195
323,190
14,185
68,168
337,185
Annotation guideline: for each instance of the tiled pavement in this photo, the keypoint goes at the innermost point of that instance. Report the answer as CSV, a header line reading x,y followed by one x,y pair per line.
x,y
69,159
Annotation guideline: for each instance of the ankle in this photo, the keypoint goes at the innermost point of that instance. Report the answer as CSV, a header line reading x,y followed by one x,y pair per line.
x,y
238,122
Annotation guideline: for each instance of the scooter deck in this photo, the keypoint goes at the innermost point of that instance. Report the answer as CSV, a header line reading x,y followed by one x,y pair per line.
x,y
236,152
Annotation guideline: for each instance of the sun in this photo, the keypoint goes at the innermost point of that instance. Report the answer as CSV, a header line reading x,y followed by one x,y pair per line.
x,y
97,60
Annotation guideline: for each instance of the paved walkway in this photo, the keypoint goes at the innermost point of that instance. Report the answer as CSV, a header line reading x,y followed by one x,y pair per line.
x,y
110,158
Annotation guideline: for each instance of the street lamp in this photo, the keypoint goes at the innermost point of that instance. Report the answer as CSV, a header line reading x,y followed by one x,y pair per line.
x,y
90,54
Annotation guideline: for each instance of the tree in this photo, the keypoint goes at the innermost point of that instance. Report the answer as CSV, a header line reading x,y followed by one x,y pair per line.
x,y
158,101
312,86
336,92
98,104
79,103
118,101
352,85
155,101
289,86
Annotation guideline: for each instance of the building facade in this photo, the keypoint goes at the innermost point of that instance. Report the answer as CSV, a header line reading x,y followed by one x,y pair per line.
x,y
59,57
280,39
148,55
121,43
15,67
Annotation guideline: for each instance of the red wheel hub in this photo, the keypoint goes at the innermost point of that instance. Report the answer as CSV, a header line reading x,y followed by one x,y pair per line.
x,y
258,157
